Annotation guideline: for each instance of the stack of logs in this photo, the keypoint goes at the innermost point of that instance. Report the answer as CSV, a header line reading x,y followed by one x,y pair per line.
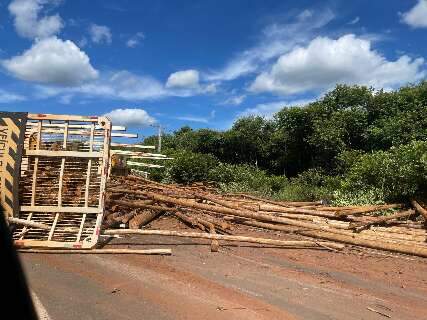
x,y
134,202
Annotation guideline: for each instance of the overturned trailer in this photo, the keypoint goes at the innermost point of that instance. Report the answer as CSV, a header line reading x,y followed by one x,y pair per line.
x,y
59,178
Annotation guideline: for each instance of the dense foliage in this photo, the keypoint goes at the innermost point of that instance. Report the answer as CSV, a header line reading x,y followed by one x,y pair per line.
x,y
353,143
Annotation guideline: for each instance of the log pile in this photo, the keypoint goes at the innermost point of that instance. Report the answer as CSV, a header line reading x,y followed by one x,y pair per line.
x,y
134,202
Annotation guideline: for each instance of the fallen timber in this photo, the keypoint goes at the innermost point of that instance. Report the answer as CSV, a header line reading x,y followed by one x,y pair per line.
x,y
419,209
28,223
100,251
280,243
199,207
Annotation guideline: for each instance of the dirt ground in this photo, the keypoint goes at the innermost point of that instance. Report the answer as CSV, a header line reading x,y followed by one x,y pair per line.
x,y
240,281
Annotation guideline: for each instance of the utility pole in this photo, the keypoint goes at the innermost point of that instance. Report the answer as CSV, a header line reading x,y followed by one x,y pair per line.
x,y
159,147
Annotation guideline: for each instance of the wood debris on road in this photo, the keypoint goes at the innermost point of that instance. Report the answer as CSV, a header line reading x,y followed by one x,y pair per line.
x,y
236,217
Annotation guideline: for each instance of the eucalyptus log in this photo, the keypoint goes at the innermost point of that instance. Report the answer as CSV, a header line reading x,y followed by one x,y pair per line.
x,y
411,249
297,210
148,216
281,203
140,219
28,223
281,243
420,209
189,220
241,213
270,208
99,251
380,220
368,209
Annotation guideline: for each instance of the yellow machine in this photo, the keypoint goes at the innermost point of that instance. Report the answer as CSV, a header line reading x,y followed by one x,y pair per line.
x,y
119,165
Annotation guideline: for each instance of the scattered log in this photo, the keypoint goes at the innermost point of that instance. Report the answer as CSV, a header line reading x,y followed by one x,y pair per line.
x,y
203,208
280,203
419,208
416,250
297,210
368,209
28,223
99,251
380,220
241,213
140,219
189,221
280,243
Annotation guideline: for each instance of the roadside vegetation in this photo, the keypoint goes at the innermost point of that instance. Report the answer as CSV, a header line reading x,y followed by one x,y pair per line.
x,y
353,146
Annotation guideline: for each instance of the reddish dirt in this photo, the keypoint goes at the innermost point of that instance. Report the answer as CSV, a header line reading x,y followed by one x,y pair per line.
x,y
240,282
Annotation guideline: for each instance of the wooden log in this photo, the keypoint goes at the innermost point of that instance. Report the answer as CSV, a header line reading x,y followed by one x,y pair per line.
x,y
220,225
126,217
264,207
419,208
139,220
142,204
111,220
365,234
99,251
380,220
214,242
281,203
148,216
188,220
281,243
240,213
268,226
28,223
369,209
374,244
297,210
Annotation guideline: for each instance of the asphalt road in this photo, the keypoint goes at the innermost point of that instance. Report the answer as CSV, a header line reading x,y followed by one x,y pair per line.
x,y
236,283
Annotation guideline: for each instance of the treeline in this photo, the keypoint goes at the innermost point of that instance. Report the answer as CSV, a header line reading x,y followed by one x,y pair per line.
x,y
353,142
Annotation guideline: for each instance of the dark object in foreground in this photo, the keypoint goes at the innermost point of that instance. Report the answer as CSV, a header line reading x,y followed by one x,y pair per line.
x,y
14,284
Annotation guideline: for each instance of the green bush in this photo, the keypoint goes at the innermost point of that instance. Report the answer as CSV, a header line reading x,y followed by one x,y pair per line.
x,y
365,196
396,174
246,178
312,184
188,167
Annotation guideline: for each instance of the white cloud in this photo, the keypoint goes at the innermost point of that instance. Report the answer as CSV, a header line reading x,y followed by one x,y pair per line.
x,y
27,22
130,117
7,97
354,21
268,110
276,39
306,14
126,86
235,100
135,40
209,88
193,119
183,79
52,61
66,99
326,62
100,34
417,16
82,42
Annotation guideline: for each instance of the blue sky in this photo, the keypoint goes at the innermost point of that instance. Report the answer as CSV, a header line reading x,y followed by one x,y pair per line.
x,y
201,63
